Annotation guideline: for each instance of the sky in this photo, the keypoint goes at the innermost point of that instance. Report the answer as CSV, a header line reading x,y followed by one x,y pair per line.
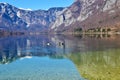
x,y
38,4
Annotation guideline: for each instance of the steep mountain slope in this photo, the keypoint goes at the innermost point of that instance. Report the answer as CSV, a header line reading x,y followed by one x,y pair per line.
x,y
91,14
39,19
9,19
67,17
12,18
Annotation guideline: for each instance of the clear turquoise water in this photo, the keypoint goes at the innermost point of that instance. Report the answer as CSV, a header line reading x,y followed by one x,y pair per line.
x,y
39,68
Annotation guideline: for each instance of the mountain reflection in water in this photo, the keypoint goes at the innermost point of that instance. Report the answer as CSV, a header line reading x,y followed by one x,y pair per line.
x,y
95,56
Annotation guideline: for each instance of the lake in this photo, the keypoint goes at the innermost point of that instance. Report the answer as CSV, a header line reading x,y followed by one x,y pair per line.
x,y
60,57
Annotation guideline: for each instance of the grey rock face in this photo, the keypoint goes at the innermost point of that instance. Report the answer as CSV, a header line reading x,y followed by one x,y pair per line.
x,y
85,11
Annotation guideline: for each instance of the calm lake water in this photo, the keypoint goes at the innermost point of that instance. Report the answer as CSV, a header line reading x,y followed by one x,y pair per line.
x,y
58,57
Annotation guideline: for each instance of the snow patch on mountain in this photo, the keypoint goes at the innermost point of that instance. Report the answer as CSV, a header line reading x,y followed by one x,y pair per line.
x,y
27,9
18,14
3,3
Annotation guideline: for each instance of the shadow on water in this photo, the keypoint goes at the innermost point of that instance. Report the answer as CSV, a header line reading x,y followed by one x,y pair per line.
x,y
95,56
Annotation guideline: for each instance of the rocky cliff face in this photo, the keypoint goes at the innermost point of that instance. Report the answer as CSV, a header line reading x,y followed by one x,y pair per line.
x,y
12,18
88,14
67,17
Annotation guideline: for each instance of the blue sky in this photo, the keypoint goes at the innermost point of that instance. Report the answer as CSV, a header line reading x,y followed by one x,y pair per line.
x,y
39,4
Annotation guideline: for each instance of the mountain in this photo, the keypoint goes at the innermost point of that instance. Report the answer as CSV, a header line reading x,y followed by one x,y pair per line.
x,y
9,19
82,15
89,15
67,17
40,19
12,18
